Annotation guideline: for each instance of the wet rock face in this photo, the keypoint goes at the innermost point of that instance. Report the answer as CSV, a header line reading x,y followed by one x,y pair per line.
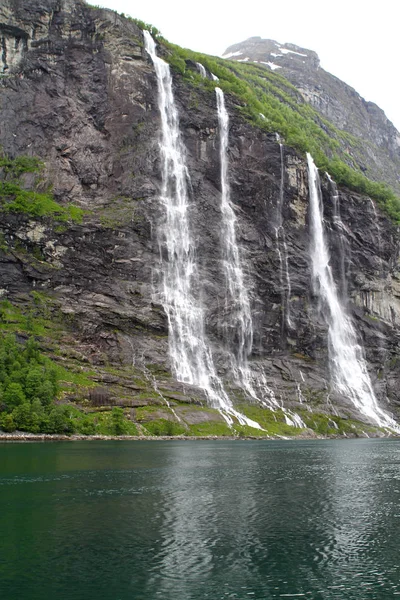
x,y
81,93
334,99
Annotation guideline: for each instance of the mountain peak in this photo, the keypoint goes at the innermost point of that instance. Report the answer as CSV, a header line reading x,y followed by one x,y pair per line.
x,y
332,98
272,54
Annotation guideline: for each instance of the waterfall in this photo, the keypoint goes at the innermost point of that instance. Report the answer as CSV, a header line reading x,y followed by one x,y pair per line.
x,y
201,69
281,246
339,228
379,236
189,349
238,317
348,366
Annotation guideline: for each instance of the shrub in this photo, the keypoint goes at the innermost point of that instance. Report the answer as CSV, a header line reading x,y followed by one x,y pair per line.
x,y
15,198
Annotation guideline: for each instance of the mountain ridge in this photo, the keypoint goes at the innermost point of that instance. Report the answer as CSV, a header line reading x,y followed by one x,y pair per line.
x,y
81,95
332,98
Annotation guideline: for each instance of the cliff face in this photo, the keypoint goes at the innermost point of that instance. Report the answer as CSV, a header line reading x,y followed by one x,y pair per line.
x,y
379,153
79,91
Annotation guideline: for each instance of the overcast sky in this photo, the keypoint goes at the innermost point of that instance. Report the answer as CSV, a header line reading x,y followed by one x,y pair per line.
x,y
356,40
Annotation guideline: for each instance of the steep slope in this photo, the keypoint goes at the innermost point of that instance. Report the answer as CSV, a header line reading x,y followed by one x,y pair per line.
x,y
379,156
80,92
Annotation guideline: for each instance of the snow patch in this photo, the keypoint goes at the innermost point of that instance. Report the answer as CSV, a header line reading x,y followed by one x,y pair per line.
x,y
275,55
286,51
271,65
243,59
238,53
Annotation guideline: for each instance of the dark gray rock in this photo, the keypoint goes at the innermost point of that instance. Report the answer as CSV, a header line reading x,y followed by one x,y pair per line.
x,y
379,155
81,93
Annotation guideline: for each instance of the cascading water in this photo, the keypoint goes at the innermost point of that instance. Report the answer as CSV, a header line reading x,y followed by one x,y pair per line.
x,y
201,69
348,367
379,236
339,228
238,317
238,320
286,288
190,353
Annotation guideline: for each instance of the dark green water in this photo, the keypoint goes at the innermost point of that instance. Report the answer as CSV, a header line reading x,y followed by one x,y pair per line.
x,y
193,520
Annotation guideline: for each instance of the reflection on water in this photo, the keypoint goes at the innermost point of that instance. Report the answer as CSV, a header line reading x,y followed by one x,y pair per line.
x,y
193,520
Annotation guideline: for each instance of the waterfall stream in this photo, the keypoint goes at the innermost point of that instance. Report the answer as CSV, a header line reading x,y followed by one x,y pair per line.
x,y
339,228
189,349
201,69
281,246
238,316
348,367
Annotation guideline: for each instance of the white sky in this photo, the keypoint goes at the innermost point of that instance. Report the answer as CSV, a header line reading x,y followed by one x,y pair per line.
x,y
356,40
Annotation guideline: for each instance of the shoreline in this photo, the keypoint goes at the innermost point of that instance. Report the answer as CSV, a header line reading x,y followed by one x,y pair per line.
x,y
47,437
21,437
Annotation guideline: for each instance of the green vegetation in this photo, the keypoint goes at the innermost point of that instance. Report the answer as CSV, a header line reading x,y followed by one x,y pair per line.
x,y
111,422
331,425
165,427
210,428
273,104
15,198
29,386
143,26
273,423
31,391
35,320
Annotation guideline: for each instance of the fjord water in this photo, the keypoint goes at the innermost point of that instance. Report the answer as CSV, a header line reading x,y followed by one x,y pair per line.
x,y
347,363
195,520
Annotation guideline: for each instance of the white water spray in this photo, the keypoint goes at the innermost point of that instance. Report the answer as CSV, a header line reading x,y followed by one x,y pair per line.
x,y
340,229
281,246
189,349
348,367
238,317
201,69
237,298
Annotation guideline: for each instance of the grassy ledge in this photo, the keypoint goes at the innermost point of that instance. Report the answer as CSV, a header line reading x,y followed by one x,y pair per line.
x,y
271,103
15,197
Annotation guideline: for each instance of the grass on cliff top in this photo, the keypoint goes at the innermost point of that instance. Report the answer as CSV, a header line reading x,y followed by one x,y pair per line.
x,y
15,198
272,103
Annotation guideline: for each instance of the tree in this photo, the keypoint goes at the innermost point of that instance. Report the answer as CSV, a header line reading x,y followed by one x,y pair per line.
x,y
7,422
119,425
14,395
33,383
59,421
22,416
46,392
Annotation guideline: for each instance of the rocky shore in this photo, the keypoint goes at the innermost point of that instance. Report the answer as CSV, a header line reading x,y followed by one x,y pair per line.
x,y
21,436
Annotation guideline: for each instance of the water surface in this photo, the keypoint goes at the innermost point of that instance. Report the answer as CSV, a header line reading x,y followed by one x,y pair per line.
x,y
185,520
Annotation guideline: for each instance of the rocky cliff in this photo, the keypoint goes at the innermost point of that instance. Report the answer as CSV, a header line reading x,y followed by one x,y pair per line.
x,y
379,153
79,91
